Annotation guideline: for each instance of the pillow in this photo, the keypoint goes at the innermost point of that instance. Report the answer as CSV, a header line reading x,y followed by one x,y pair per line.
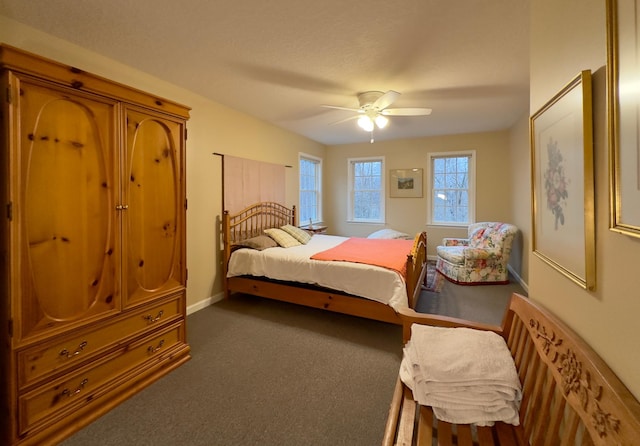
x,y
259,242
389,234
299,234
282,238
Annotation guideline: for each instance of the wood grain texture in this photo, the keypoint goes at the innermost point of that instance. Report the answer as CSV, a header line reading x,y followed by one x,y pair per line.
x,y
570,395
94,289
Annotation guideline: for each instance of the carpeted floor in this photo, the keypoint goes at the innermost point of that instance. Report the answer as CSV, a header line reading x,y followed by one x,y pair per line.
x,y
265,373
270,373
481,303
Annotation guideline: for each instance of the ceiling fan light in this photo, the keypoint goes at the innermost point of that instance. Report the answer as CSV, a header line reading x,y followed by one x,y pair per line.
x,y
365,123
381,121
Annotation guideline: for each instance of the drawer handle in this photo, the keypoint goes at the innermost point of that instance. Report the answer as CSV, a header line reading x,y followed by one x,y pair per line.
x,y
152,349
150,319
69,393
68,354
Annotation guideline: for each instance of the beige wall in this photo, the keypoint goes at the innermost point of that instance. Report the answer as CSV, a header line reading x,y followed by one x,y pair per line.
x,y
212,128
567,37
410,214
520,197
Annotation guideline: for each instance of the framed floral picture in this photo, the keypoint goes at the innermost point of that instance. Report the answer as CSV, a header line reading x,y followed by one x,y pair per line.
x,y
405,183
563,182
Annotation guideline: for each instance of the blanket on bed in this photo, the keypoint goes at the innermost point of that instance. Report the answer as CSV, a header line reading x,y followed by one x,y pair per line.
x,y
387,253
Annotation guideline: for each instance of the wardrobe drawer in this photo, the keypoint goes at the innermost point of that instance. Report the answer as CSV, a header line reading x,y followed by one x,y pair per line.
x,y
93,381
48,358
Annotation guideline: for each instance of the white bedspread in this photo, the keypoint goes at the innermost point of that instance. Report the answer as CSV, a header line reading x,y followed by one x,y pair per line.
x,y
294,264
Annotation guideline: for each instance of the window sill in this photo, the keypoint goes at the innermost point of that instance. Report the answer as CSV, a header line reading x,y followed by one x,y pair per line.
x,y
448,225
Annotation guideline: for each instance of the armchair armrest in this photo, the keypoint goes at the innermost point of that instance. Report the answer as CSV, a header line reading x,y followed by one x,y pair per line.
x,y
482,253
451,241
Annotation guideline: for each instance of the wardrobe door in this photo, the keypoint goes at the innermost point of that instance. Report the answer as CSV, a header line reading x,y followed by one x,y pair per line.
x,y
154,195
68,244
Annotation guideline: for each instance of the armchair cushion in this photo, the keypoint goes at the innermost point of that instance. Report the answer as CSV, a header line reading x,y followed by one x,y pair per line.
x,y
482,254
453,254
482,258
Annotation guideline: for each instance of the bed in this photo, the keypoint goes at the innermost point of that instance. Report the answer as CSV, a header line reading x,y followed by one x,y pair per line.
x,y
288,274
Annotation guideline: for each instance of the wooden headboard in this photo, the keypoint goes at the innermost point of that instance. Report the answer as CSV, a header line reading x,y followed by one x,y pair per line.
x,y
253,220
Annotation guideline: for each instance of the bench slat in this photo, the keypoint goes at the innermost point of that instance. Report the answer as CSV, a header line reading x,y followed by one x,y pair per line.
x,y
542,421
518,336
407,419
425,426
445,434
506,434
528,383
535,395
485,436
557,415
394,414
465,436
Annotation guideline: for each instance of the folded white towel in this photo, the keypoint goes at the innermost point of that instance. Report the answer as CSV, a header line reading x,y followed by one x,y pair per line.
x,y
478,416
462,354
467,376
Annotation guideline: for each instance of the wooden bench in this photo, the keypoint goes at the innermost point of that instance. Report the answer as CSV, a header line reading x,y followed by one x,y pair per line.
x,y
570,395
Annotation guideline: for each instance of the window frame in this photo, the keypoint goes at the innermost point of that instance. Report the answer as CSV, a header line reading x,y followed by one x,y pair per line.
x,y
351,162
318,161
471,187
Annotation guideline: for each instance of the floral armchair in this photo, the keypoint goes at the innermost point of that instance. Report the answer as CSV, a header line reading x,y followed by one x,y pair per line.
x,y
480,259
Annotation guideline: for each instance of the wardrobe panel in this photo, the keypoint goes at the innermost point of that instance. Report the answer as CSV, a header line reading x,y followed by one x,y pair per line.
x,y
67,190
153,194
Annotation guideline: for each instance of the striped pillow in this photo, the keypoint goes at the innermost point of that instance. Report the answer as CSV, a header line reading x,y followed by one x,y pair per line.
x,y
299,234
282,238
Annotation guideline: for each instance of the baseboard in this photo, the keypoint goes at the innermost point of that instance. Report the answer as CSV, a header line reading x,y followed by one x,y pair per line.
x,y
204,303
518,279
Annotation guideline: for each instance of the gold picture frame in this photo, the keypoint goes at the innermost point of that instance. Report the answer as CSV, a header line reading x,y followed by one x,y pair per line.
x,y
405,183
623,115
562,175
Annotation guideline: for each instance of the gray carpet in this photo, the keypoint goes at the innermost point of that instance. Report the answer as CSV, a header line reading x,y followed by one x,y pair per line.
x,y
481,303
270,373
265,373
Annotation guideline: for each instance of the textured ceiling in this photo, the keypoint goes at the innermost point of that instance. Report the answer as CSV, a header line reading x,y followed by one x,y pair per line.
x,y
281,60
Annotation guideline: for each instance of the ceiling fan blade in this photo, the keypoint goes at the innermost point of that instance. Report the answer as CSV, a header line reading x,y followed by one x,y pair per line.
x,y
343,108
386,100
406,111
345,120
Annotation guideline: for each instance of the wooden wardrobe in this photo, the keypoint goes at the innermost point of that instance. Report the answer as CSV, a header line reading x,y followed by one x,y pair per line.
x,y
92,267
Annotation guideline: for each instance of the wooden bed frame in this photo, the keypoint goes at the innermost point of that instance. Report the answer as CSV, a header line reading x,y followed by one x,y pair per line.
x,y
253,220
570,395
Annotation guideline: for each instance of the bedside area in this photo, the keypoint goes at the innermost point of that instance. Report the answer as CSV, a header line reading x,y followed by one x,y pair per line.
x,y
314,229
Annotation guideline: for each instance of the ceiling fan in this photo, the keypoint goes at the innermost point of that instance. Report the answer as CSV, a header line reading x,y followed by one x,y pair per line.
x,y
373,109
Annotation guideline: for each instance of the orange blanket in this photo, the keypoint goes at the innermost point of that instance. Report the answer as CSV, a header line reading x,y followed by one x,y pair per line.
x,y
391,254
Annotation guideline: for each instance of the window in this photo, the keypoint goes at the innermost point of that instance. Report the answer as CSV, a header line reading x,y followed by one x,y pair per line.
x,y
366,190
310,206
451,184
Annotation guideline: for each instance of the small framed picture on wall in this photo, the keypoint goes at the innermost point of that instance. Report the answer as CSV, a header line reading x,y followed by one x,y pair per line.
x,y
405,183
